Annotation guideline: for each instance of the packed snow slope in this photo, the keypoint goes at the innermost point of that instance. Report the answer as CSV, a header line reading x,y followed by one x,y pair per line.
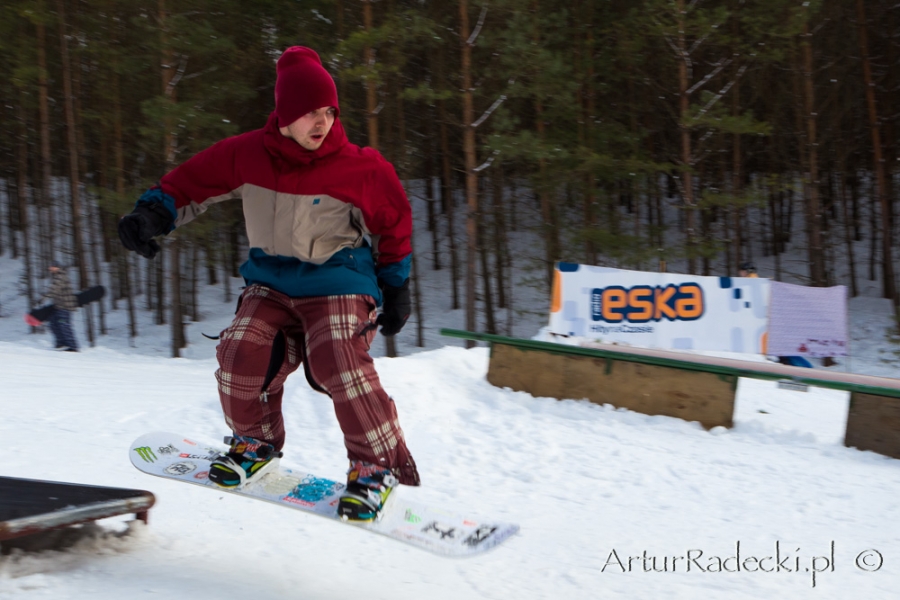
x,y
612,504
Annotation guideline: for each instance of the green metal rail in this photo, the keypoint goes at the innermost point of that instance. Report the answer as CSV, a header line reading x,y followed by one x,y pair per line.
x,y
878,386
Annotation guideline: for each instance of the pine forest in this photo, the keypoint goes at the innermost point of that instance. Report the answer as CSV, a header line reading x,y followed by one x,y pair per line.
x,y
688,135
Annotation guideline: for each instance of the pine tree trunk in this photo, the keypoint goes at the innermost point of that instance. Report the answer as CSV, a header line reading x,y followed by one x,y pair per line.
x,y
548,208
488,298
469,167
159,289
212,274
46,158
449,205
195,270
813,204
371,83
685,132
873,242
129,295
119,157
21,184
178,339
499,234
12,214
884,201
587,126
430,200
848,233
737,161
11,234
372,110
227,250
773,217
95,262
438,65
417,302
74,176
150,278
170,143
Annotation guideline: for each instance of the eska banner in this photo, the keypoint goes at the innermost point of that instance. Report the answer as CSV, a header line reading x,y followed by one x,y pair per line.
x,y
660,310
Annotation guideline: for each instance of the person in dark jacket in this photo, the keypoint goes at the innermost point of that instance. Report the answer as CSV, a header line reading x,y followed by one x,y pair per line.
x,y
329,228
64,303
747,269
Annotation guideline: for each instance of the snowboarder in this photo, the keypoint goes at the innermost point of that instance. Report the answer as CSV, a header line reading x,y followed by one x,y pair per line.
x,y
329,228
64,302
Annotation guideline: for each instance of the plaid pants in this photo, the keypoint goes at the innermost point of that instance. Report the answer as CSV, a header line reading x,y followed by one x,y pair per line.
x,y
272,335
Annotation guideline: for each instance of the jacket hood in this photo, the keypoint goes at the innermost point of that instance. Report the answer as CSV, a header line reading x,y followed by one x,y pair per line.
x,y
290,152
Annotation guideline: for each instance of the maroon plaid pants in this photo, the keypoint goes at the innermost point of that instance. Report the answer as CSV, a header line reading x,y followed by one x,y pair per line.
x,y
332,335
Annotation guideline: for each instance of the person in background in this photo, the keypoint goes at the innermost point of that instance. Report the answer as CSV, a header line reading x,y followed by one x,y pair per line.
x,y
747,269
64,303
329,227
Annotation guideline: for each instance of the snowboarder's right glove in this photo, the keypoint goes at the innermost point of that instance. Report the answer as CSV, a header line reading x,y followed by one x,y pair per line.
x,y
396,309
145,222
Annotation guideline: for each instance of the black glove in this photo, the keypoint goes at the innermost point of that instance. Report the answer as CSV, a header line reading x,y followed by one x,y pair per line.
x,y
396,308
146,221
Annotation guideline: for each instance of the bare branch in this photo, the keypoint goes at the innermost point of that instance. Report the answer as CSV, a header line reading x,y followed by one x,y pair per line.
x,y
699,41
705,137
179,73
488,112
201,73
487,163
721,65
721,93
703,38
474,36
672,45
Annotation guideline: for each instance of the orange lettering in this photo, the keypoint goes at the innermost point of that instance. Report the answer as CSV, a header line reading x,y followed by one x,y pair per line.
x,y
691,307
641,303
614,299
661,301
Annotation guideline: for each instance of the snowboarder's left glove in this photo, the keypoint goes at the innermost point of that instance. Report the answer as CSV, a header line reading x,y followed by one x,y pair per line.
x,y
396,308
146,221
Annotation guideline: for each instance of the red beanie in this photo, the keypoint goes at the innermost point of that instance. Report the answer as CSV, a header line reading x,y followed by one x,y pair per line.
x,y
302,85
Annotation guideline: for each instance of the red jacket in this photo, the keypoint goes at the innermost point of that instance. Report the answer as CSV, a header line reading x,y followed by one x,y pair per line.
x,y
319,222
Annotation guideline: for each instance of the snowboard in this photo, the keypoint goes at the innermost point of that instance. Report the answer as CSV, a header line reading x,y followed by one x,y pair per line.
x,y
41,314
443,532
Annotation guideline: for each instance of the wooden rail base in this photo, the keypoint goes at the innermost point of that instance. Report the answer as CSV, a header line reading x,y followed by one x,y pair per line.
x,y
687,386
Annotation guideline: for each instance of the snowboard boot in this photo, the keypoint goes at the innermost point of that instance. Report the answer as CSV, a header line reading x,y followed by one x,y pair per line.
x,y
247,459
368,488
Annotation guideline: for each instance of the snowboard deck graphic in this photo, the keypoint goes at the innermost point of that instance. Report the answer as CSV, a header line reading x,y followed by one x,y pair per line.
x,y
173,456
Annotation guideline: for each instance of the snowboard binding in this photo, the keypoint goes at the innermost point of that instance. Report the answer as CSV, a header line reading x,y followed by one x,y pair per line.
x,y
368,489
247,459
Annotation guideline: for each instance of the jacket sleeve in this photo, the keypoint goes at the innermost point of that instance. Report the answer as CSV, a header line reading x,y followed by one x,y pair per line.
x,y
208,177
390,221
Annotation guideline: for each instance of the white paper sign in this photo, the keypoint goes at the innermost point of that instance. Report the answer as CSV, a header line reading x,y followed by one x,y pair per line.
x,y
808,321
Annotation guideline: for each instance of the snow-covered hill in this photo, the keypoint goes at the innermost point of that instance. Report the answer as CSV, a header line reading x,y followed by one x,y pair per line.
x,y
612,504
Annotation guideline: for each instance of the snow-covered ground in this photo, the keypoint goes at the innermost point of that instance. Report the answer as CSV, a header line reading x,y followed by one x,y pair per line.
x,y
612,504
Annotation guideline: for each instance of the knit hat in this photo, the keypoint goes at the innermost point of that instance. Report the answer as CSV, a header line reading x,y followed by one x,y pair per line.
x,y
302,85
